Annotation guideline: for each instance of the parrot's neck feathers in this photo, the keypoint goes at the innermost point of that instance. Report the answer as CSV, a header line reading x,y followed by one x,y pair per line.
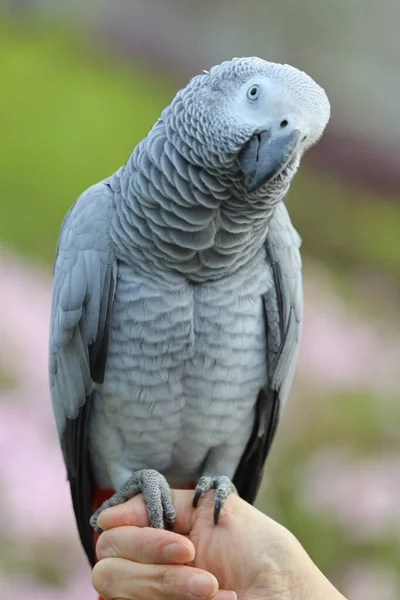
x,y
182,217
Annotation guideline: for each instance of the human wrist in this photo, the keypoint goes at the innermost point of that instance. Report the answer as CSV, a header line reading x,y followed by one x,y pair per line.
x,y
308,582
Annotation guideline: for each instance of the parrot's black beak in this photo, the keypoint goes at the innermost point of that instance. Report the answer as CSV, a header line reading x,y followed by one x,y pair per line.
x,y
265,156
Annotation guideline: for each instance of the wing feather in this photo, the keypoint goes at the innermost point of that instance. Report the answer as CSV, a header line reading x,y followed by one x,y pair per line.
x,y
85,274
283,307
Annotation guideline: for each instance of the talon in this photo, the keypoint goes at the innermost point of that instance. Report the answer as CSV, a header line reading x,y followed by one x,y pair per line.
x,y
197,496
217,510
93,522
223,487
170,520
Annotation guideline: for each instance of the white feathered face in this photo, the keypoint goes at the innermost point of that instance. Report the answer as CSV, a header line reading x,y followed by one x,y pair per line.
x,y
250,116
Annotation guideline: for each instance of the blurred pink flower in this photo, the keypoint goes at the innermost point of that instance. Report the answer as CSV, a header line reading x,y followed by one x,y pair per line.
x,y
33,474
339,349
363,495
32,471
25,588
35,499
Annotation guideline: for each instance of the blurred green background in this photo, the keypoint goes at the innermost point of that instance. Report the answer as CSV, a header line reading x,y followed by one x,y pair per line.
x,y
79,87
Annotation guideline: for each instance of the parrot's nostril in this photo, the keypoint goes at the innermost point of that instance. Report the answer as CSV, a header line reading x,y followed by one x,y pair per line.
x,y
284,123
304,138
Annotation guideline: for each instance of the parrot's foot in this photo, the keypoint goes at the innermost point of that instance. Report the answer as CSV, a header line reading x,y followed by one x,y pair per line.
x,y
156,494
223,486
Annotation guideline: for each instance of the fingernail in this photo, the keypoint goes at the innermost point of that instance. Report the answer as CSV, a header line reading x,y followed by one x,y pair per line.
x,y
203,586
180,553
225,595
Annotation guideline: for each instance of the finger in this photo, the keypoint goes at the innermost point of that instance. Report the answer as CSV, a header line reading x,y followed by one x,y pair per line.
x,y
134,512
121,578
145,545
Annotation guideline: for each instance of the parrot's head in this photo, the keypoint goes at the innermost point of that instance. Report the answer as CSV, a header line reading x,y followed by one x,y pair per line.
x,y
250,120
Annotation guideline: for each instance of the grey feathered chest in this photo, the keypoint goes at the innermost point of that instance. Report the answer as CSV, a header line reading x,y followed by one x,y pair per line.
x,y
184,368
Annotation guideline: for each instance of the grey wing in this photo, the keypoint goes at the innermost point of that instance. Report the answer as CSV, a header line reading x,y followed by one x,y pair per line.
x,y
283,306
83,292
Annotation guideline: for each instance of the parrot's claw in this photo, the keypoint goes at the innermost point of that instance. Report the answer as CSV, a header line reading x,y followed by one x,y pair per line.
x,y
156,493
93,518
223,486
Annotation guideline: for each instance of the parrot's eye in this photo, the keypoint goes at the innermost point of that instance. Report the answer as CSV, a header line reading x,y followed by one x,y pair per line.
x,y
253,92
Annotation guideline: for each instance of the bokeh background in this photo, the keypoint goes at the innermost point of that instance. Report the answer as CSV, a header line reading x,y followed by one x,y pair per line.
x,y
81,83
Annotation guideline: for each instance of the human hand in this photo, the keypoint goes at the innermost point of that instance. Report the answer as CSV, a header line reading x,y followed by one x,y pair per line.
x,y
247,553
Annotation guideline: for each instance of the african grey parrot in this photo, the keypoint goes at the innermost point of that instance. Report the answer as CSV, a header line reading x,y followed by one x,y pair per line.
x,y
177,299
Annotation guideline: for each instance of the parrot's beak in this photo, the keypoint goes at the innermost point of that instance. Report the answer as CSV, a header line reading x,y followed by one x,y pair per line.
x,y
265,156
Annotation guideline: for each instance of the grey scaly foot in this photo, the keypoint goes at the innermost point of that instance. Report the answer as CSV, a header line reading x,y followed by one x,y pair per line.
x,y
156,494
223,486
